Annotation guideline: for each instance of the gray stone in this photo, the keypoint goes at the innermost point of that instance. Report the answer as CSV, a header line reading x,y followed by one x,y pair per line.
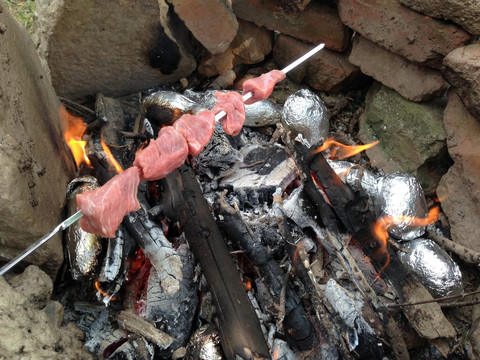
x,y
461,68
412,81
34,284
411,135
465,13
34,162
113,48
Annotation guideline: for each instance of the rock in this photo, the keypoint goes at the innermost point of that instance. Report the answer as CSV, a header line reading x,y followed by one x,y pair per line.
x,y
463,141
412,81
34,284
462,211
318,23
250,46
212,22
327,71
461,68
113,48
401,30
30,332
412,139
35,165
465,13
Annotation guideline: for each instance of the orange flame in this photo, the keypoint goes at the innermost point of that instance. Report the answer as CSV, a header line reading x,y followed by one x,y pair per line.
x,y
340,151
74,128
103,292
111,159
380,229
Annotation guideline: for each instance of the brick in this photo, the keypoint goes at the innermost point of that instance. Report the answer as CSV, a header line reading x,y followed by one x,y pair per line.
x,y
412,81
403,31
318,23
212,22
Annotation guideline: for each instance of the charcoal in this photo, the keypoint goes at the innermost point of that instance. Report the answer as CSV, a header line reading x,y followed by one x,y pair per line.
x,y
174,313
401,195
436,269
305,113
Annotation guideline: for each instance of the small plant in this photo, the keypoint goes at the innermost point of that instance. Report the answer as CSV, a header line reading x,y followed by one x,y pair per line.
x,y
22,10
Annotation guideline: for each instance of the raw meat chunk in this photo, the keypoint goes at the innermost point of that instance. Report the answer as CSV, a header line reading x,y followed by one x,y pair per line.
x,y
104,208
197,129
261,87
232,103
163,155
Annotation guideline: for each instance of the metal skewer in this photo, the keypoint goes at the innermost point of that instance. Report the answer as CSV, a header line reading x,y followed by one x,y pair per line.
x,y
72,219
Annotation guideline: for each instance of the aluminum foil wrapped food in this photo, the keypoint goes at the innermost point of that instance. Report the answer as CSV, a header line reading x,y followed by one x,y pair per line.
x,y
163,107
83,248
400,197
305,113
436,269
356,176
261,113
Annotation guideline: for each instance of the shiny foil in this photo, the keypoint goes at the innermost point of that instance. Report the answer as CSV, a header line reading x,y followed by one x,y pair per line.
x,y
355,176
436,269
401,195
305,113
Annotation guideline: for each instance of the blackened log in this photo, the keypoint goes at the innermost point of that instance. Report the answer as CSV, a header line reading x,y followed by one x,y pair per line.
x,y
300,333
239,327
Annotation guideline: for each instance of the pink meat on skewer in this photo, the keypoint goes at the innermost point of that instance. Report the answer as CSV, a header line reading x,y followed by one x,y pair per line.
x,y
163,155
232,103
197,130
104,208
261,87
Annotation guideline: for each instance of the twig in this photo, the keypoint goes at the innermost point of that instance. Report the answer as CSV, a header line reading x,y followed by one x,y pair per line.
x,y
76,106
391,306
468,255
252,164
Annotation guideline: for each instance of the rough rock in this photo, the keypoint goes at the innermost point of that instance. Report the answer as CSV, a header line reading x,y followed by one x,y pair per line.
x,y
412,81
463,141
250,46
461,68
212,22
461,210
35,165
465,13
113,48
402,30
327,71
411,135
34,284
318,23
28,331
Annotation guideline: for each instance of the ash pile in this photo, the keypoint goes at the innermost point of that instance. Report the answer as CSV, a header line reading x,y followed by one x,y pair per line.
x,y
281,242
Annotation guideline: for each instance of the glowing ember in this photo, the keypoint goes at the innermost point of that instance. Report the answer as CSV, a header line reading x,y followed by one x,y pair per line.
x,y
111,159
74,128
339,151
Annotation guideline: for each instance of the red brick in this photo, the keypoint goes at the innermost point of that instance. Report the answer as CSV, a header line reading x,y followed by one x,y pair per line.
x,y
401,30
211,22
318,23
327,71
412,81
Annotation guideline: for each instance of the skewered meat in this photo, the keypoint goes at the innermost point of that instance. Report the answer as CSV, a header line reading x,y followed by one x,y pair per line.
x,y
163,155
105,207
261,87
197,129
232,103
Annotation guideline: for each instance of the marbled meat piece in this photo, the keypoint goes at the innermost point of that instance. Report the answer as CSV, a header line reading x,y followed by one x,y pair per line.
x,y
163,155
197,129
232,103
261,87
104,208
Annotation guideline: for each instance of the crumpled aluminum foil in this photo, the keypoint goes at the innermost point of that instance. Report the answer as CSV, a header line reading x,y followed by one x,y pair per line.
x,y
355,176
305,113
398,195
260,113
436,269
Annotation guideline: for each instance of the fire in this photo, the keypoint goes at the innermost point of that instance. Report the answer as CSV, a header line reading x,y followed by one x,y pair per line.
x,y
74,128
111,159
380,229
340,151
